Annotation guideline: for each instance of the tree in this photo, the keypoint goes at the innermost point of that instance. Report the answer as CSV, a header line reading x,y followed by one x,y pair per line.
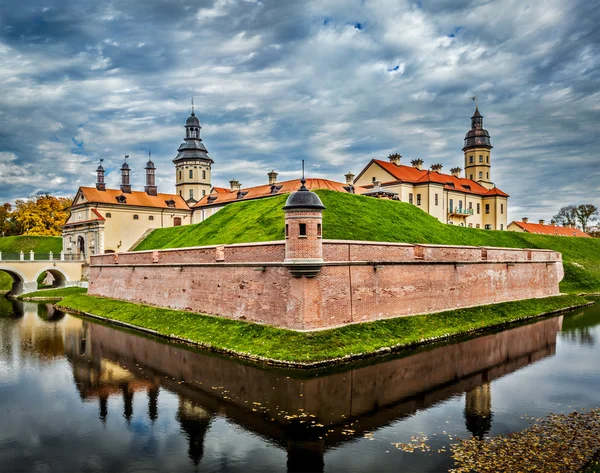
x,y
5,216
41,215
586,213
566,216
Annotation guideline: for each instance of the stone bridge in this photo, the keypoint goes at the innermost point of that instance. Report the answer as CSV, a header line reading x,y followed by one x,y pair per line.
x,y
26,269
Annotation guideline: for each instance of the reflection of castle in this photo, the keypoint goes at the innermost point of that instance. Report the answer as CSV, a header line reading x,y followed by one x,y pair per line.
x,y
107,362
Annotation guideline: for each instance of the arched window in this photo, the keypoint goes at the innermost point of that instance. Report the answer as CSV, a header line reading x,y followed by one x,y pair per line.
x,y
136,217
108,215
151,217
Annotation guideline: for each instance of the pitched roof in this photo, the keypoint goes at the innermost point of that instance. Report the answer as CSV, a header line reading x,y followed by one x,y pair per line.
x,y
416,176
136,198
267,190
220,190
550,229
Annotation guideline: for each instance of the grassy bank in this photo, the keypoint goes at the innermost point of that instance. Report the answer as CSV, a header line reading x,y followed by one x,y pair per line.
x,y
13,245
53,294
269,343
352,217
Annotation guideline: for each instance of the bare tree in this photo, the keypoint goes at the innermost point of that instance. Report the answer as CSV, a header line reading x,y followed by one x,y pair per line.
x,y
566,215
586,213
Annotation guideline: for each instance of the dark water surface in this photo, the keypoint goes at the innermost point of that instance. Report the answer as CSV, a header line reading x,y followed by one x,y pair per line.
x,y
80,396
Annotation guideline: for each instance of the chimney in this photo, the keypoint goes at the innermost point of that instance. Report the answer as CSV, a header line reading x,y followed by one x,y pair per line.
x,y
525,219
125,185
349,178
542,222
234,185
417,163
100,185
395,159
272,177
456,171
376,184
150,187
436,167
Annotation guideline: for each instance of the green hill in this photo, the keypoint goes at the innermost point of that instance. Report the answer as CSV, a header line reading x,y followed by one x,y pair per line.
x,y
11,246
352,217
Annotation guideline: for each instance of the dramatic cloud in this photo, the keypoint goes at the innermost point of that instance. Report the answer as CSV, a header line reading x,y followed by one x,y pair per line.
x,y
335,82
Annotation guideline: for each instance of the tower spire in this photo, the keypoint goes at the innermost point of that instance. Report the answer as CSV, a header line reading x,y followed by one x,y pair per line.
x,y
193,114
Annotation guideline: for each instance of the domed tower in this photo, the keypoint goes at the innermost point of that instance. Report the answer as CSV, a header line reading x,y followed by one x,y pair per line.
x,y
303,232
477,151
150,187
192,164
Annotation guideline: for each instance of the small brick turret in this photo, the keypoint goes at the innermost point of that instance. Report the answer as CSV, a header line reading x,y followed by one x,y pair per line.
x,y
303,233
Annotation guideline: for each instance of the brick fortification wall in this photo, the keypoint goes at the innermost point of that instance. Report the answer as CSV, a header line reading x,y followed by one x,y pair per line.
x,y
359,281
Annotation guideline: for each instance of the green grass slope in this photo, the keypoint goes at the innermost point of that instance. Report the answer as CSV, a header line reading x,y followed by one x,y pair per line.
x,y
13,245
352,217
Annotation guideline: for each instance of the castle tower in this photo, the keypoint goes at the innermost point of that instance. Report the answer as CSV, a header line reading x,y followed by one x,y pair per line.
x,y
125,184
150,187
100,184
477,151
303,232
192,164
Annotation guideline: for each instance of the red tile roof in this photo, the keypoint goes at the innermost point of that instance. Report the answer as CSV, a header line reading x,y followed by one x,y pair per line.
x,y
550,229
137,198
220,190
415,176
267,190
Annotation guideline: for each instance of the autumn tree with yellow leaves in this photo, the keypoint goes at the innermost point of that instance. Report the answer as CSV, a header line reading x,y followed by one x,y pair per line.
x,y
40,215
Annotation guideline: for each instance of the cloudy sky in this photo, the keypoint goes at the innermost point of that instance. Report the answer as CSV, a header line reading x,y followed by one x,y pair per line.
x,y
335,82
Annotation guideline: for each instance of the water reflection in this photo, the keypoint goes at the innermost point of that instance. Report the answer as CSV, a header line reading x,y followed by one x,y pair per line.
x,y
305,415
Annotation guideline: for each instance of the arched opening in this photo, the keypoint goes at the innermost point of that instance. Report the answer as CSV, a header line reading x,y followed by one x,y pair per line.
x,y
17,282
54,276
81,246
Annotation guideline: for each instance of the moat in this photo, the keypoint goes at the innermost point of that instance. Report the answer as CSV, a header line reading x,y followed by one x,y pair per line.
x,y
76,395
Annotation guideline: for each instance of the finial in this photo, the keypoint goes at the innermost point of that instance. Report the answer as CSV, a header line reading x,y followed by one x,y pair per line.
x,y
474,98
101,160
149,155
193,114
303,180
126,156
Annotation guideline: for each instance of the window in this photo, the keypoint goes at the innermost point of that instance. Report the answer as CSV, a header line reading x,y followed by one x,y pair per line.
x,y
470,225
418,199
191,173
501,226
191,193
487,175
477,225
203,174
487,208
180,175
488,227
436,199
480,175
410,198
151,217
373,179
287,230
471,159
481,158
501,208
302,230
319,230
478,209
177,221
180,193
451,205
471,176
136,217
487,159
108,215
203,193
470,205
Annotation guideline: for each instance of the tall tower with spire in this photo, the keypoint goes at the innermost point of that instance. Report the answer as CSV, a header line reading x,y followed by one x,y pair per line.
x,y
192,164
477,149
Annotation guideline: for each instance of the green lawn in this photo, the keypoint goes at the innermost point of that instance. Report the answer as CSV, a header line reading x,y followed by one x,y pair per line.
x,y
54,294
269,342
352,217
11,246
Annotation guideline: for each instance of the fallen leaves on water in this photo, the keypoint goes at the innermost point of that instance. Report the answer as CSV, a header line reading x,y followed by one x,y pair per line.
x,y
557,444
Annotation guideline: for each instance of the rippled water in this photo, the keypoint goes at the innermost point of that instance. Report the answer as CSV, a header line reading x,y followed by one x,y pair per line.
x,y
76,395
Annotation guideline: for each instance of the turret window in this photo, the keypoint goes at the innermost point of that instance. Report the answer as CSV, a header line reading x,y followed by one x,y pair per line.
x,y
203,174
302,230
501,208
191,173
487,159
180,175
319,230
191,193
481,158
471,159
287,230
480,174
487,175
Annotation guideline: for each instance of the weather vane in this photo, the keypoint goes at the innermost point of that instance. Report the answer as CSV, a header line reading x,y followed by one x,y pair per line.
x,y
126,156
474,99
101,160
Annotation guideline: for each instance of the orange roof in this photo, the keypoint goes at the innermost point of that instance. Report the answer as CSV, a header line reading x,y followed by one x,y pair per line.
x,y
137,198
450,182
220,190
267,190
550,229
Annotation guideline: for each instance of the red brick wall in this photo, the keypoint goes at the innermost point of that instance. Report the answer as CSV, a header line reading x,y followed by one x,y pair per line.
x,y
308,246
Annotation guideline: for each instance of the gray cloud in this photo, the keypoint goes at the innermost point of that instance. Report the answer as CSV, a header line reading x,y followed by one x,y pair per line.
x,y
333,82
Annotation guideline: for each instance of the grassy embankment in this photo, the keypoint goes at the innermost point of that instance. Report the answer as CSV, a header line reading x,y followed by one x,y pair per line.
x,y
53,294
270,343
352,217
11,247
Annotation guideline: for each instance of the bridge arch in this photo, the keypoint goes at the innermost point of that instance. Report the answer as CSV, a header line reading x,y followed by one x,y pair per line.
x,y
19,279
61,278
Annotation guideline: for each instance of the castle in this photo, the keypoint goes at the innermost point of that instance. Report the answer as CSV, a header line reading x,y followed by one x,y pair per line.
x,y
113,220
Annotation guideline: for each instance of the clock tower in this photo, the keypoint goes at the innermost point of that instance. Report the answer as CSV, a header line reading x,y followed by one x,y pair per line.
x,y
477,149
